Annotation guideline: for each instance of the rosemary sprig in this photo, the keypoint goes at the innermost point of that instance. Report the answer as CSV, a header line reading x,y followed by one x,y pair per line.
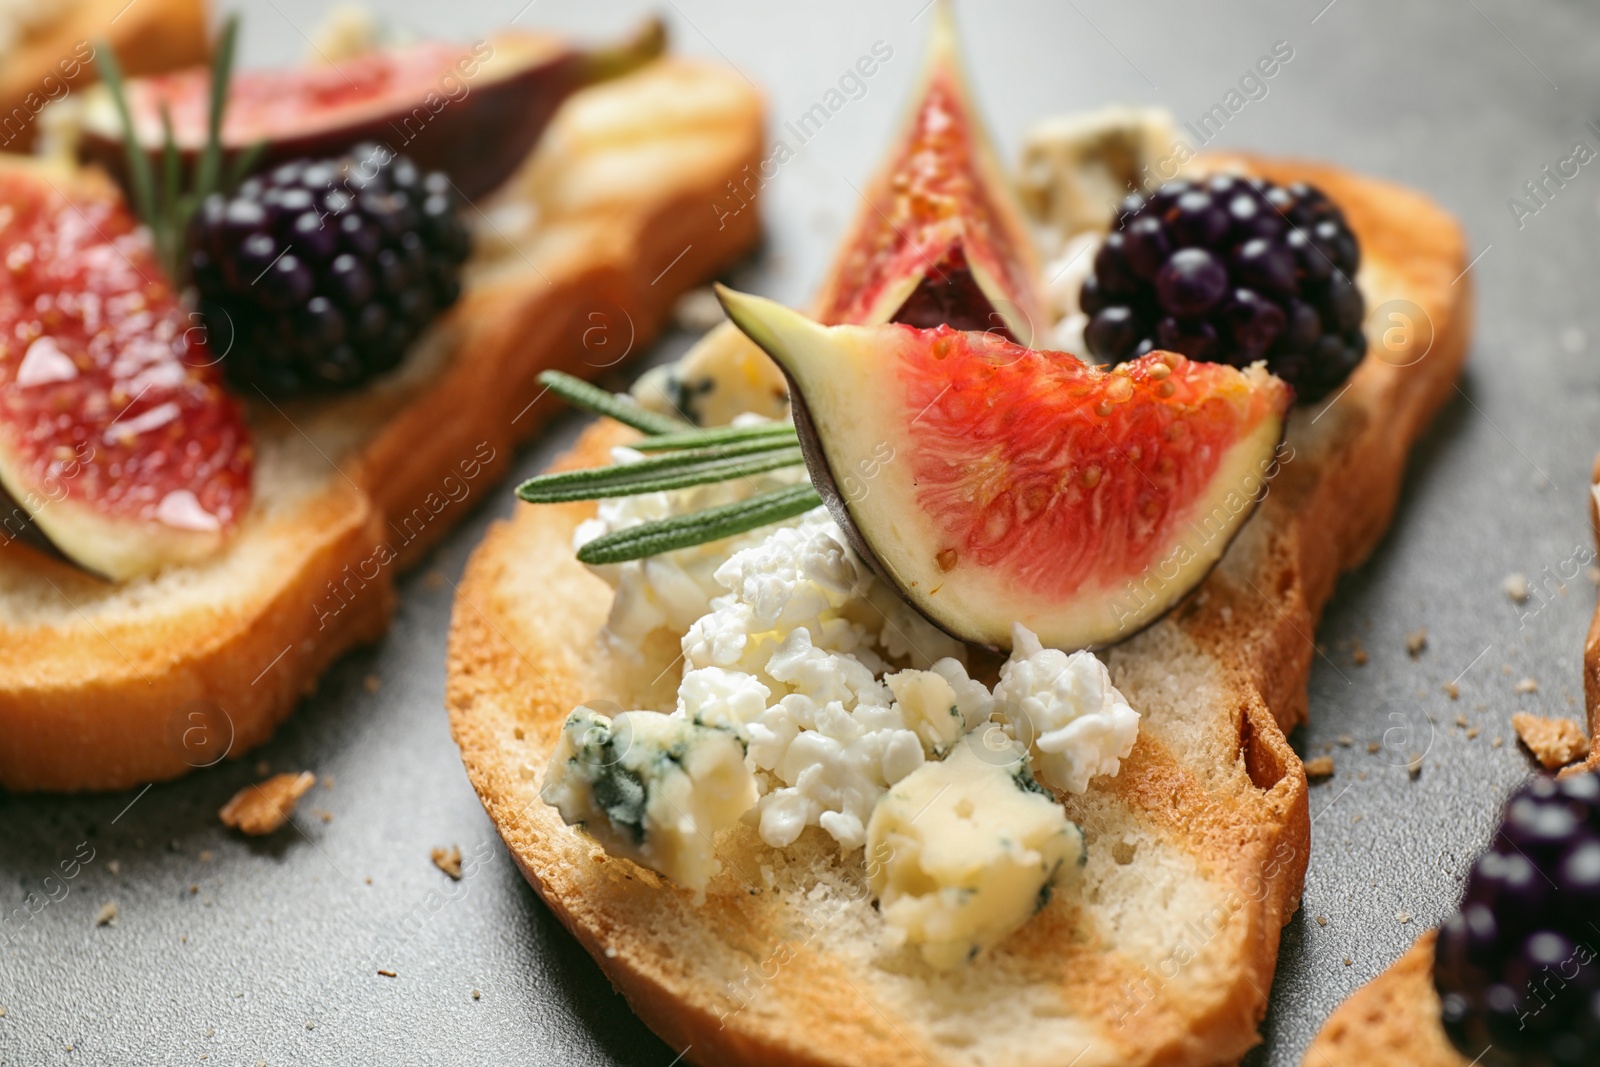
x,y
678,470
624,409
699,527
167,209
688,457
777,432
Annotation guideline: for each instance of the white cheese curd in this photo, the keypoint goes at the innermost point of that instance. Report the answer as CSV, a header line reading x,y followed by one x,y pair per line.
x,y
962,852
799,618
651,787
940,704
1065,709
668,592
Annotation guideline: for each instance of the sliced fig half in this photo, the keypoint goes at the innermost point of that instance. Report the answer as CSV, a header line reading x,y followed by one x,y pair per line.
x,y
994,484
940,238
473,111
116,435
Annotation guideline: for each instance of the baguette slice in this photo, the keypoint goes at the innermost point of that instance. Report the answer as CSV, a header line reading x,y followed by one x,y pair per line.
x,y
148,37
1393,1020
579,259
1197,850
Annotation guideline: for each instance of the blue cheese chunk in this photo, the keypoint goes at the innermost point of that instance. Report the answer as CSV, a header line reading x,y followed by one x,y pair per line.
x,y
650,787
964,851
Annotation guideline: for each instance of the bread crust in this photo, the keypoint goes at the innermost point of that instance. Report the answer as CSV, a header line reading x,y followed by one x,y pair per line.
x,y
1392,1021
99,697
1211,790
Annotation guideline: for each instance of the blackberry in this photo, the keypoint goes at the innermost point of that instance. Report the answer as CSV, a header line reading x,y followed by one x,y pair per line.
x,y
1231,270
1516,966
320,273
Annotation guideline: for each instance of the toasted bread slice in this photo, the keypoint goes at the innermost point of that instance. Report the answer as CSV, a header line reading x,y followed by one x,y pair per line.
x,y
579,257
1393,1020
56,58
1197,850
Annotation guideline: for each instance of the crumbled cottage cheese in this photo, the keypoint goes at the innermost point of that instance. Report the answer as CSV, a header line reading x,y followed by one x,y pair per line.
x,y
792,649
1066,710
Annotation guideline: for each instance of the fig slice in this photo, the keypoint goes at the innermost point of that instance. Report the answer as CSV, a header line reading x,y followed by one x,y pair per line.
x,y
472,111
940,238
994,484
116,435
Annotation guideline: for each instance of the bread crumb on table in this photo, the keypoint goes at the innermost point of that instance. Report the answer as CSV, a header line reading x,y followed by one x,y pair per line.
x,y
1321,767
385,972
108,914
1373,747
372,683
1516,587
1345,740
1452,690
1527,685
262,808
1554,742
1416,641
448,860
1359,654
1402,916
1322,920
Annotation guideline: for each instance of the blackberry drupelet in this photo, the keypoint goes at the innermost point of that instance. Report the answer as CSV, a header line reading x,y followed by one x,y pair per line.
x,y
319,274
1516,966
1231,270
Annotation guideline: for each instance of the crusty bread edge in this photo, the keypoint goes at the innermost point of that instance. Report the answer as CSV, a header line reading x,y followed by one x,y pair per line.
x,y
1392,1021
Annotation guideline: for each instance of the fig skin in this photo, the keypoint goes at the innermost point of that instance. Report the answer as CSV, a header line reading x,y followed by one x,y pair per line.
x,y
478,139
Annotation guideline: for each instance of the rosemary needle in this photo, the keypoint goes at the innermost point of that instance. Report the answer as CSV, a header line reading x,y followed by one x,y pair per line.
x,y
626,479
624,409
699,527
776,432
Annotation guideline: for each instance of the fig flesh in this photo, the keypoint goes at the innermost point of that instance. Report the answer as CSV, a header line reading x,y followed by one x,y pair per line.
x,y
940,238
472,111
116,435
994,484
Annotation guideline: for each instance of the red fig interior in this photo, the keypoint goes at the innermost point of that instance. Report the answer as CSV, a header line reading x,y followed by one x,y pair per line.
x,y
116,434
940,238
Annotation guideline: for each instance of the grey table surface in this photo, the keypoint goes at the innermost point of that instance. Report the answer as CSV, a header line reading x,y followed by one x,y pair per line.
x,y
243,951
